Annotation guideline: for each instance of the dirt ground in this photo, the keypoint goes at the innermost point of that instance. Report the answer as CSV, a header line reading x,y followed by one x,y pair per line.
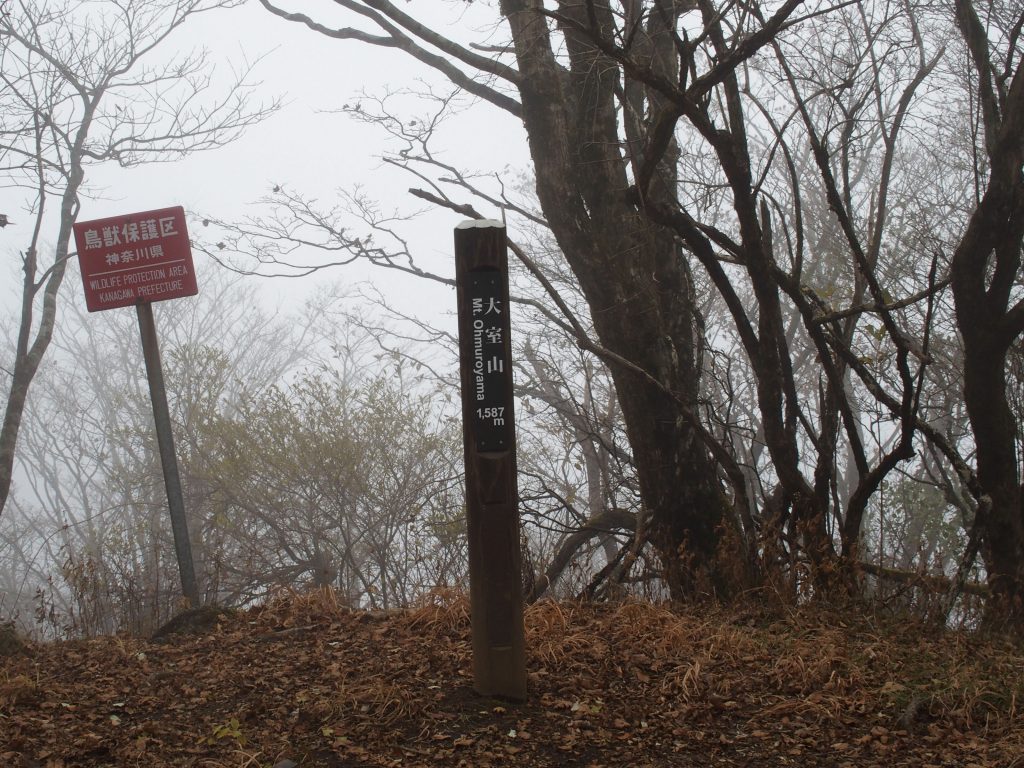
x,y
305,682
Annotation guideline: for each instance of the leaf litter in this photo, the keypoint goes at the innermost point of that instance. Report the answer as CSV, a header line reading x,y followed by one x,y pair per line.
x,y
303,681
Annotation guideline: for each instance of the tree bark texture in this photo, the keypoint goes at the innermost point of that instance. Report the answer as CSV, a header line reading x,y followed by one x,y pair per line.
x,y
985,271
637,284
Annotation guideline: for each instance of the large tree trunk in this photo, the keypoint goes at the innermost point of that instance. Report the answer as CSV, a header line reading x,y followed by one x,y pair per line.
x,y
985,273
995,428
987,333
643,310
637,285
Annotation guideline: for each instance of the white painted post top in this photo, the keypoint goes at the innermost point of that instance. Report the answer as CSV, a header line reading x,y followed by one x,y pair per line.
x,y
480,223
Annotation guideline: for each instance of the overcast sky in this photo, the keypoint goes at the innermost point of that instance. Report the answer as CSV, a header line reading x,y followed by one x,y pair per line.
x,y
304,147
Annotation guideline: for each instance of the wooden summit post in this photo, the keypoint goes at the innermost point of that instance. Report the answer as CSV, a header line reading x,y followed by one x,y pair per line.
x,y
489,439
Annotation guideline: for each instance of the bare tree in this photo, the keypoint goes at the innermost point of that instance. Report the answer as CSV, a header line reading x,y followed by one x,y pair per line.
x,y
91,510
986,273
587,120
774,157
756,258
83,86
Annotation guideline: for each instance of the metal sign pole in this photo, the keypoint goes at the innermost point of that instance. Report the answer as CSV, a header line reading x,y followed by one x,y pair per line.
x,y
492,494
165,441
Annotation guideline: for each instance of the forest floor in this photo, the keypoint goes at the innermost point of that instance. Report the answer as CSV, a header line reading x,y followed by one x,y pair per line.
x,y
304,682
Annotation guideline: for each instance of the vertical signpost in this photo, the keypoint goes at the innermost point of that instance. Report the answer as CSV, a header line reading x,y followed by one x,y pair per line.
x,y
134,260
492,495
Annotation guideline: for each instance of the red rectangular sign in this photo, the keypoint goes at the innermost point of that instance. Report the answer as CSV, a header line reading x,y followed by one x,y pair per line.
x,y
139,257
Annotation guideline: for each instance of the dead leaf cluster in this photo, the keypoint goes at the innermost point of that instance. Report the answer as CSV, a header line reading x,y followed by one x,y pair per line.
x,y
304,681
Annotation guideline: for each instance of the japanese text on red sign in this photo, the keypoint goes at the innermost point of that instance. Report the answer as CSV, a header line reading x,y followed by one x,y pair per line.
x,y
128,234
138,257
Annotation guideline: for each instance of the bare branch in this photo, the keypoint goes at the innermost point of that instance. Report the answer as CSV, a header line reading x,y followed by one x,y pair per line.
x,y
383,14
